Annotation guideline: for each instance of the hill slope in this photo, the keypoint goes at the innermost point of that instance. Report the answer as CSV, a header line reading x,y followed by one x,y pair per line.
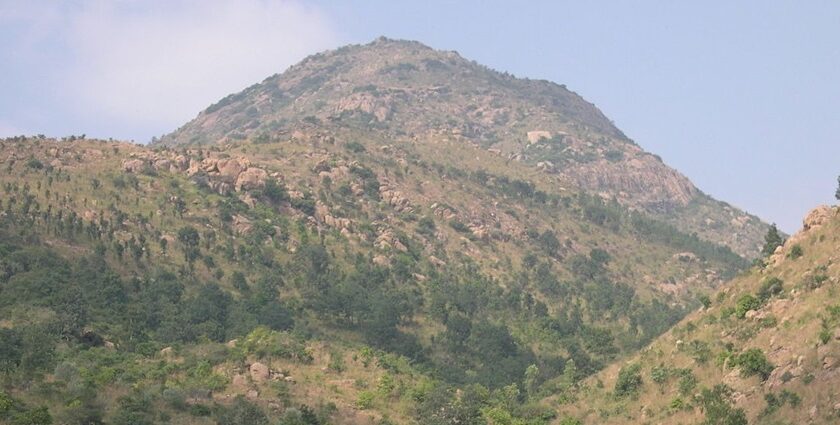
x,y
764,351
324,260
405,91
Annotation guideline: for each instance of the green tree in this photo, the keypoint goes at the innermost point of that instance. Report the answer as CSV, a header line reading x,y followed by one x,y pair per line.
x,y
532,375
719,411
570,373
746,303
189,239
754,362
37,416
772,240
629,380
242,412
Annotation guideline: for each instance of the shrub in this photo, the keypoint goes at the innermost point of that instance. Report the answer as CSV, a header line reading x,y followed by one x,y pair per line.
x,y
242,412
458,226
365,400
715,404
659,374
34,164
795,252
355,147
746,303
754,362
770,287
687,382
629,380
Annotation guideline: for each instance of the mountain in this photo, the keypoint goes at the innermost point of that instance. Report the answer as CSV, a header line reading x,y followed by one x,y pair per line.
x,y
382,234
406,92
764,350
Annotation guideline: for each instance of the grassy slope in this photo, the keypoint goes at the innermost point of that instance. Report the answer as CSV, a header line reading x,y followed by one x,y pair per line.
x,y
795,330
87,185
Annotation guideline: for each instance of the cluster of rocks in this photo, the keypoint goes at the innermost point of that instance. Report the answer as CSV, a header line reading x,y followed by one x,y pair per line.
x,y
394,198
337,172
388,240
224,175
442,211
323,215
813,220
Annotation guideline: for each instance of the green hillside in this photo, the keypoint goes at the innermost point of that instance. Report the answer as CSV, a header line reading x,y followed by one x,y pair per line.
x,y
298,255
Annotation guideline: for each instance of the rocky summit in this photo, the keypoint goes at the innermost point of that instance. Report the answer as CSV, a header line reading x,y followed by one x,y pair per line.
x,y
406,92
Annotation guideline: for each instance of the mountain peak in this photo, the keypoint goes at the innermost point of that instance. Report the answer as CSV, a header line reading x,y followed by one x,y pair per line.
x,y
405,91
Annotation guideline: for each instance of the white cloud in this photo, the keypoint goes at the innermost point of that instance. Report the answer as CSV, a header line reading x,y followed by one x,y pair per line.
x,y
154,65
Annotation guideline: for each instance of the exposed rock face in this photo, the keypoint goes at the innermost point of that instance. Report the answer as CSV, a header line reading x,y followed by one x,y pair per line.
x,y
366,103
817,217
230,169
537,135
133,165
641,178
252,178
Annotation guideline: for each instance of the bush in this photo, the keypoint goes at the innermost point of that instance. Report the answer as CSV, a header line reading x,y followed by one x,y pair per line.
x,y
458,226
34,164
242,412
355,147
629,380
365,400
660,374
795,252
746,303
754,362
715,404
770,287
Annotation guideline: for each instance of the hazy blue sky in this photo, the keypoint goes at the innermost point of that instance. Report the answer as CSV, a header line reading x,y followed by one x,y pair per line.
x,y
743,97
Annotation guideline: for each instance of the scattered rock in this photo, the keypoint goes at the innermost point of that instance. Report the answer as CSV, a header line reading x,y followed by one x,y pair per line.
x,y
259,372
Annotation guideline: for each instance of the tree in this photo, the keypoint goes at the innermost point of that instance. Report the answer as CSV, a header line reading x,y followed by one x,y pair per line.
x,y
719,411
772,240
242,412
837,192
754,362
629,380
189,239
570,373
532,375
746,303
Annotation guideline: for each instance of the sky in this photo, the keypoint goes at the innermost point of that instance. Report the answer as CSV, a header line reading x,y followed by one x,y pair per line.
x,y
742,97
